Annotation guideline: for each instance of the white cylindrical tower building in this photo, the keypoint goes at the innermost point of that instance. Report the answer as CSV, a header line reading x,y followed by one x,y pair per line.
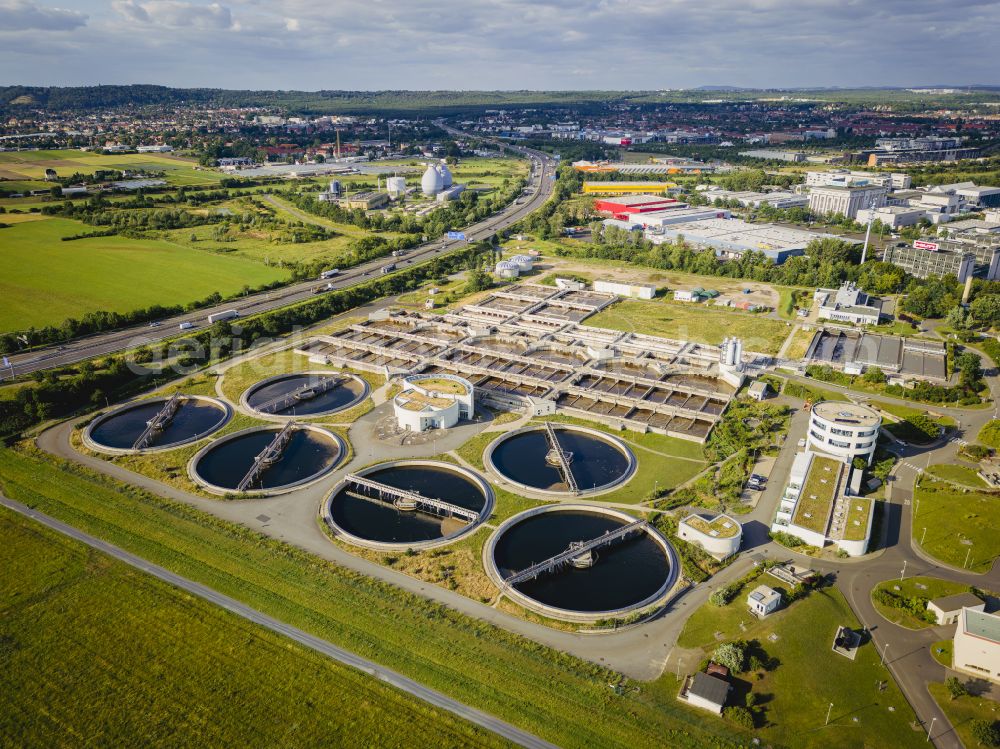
x,y
506,269
843,430
395,186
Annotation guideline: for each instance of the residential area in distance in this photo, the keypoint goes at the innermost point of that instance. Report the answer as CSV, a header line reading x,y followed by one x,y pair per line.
x,y
416,414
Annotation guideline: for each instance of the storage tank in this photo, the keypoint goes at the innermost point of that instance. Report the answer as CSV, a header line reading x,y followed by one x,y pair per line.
x,y
446,179
335,188
431,182
395,186
507,269
523,262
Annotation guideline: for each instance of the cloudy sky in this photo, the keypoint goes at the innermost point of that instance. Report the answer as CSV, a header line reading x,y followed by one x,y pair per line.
x,y
499,44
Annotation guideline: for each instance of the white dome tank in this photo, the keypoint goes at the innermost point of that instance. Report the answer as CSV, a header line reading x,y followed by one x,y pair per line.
x,y
431,183
446,179
523,262
506,269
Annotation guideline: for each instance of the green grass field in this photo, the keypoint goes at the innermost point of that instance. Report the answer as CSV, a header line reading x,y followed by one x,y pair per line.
x,y
31,165
921,587
809,675
962,711
106,273
960,474
96,653
545,691
693,323
960,524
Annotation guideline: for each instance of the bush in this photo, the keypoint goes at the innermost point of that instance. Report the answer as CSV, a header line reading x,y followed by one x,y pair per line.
x,y
955,687
732,655
786,539
724,595
986,732
740,716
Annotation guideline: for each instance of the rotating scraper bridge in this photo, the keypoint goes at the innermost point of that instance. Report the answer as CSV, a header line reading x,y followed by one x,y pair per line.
x,y
525,346
403,498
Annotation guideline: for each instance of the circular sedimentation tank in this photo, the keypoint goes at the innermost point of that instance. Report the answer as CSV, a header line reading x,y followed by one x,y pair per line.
x,y
195,417
626,575
308,454
304,394
368,516
526,458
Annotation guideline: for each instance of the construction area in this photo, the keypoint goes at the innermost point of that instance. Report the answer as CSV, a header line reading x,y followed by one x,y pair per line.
x,y
525,347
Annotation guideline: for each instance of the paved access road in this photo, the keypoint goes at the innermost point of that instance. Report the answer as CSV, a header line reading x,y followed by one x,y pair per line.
x,y
346,657
536,193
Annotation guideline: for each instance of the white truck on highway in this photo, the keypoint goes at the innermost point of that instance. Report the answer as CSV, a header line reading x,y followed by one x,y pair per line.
x,y
329,273
186,325
229,314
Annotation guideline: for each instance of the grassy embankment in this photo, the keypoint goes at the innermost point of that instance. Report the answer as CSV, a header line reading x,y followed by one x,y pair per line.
x,y
914,588
98,653
963,526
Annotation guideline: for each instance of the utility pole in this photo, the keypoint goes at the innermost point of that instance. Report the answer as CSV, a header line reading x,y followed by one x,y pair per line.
x,y
903,572
828,711
868,231
967,552
930,728
923,536
883,653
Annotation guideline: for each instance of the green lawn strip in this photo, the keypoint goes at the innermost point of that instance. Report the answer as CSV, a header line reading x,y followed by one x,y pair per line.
x,y
961,524
958,473
809,675
910,588
812,393
131,658
963,711
691,322
115,274
989,435
542,690
942,651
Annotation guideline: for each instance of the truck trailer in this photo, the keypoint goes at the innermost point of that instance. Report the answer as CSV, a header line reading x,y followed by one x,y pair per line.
x,y
229,314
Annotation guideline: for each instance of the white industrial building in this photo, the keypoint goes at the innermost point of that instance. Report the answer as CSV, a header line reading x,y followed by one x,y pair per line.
x,y
893,180
395,186
848,304
948,609
763,600
752,199
846,200
634,291
719,536
436,178
893,216
658,219
976,649
433,402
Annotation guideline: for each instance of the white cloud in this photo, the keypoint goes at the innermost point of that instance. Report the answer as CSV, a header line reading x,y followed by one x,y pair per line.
x,y
22,15
176,14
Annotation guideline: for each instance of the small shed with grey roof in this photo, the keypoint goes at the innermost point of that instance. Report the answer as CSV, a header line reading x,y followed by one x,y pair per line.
x,y
947,608
707,692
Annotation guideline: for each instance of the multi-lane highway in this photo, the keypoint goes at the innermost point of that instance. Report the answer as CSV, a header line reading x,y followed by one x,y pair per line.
x,y
536,193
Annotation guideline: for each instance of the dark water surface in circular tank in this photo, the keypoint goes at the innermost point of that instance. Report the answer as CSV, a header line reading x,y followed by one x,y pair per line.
x,y
346,392
307,454
191,419
378,520
624,573
595,462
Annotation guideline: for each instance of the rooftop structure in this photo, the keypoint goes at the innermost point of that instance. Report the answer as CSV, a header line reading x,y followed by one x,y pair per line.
x,y
762,600
775,154
977,644
719,536
623,206
854,352
843,429
848,304
947,609
844,200
733,238
623,188
433,402
752,199
707,691
895,180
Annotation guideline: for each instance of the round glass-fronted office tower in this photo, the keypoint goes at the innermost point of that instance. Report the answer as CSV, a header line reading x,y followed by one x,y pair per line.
x,y
844,430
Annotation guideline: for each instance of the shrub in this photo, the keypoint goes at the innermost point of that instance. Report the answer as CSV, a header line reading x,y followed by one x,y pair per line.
x,y
724,595
955,687
732,655
740,716
986,732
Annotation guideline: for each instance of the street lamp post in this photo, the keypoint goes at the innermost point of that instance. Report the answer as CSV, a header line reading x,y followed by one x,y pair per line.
x,y
902,572
884,652
923,536
967,552
828,711
930,728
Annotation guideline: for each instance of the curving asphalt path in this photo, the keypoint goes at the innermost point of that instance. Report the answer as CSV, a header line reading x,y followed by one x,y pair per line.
x,y
346,657
540,184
